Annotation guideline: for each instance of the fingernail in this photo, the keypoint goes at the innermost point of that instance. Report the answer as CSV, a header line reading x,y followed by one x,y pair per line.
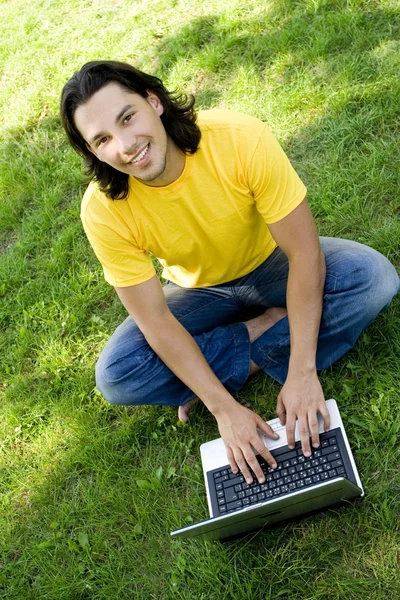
x,y
274,465
262,480
276,436
316,445
307,454
291,446
249,480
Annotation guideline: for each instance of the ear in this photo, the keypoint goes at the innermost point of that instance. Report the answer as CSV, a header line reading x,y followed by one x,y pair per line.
x,y
155,102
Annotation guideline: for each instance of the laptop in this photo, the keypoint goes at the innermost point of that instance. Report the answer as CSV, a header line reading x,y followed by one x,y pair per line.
x,y
299,485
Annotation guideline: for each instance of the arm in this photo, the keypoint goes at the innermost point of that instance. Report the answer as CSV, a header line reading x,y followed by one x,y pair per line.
x,y
301,396
178,350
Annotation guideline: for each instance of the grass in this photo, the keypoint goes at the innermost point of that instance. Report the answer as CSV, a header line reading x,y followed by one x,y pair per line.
x,y
89,491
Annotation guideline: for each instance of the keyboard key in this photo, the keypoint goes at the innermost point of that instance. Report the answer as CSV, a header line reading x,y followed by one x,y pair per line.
x,y
230,495
341,471
234,505
336,463
333,456
332,441
246,501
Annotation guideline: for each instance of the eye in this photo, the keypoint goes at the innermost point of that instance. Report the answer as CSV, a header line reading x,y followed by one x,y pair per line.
x,y
102,141
128,117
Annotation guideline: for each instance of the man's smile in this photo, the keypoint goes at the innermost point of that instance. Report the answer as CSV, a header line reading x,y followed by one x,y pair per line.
x,y
139,157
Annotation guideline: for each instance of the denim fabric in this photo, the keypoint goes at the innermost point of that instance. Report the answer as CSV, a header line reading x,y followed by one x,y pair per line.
x,y
360,283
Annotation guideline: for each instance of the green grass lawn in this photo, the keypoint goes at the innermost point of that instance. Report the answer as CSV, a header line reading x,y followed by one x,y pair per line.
x,y
88,491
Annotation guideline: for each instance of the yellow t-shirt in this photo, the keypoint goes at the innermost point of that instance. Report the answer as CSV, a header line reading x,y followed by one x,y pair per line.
x,y
208,226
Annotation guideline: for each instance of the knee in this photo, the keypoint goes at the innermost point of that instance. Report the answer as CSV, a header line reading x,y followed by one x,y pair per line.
x,y
373,278
117,379
131,379
108,382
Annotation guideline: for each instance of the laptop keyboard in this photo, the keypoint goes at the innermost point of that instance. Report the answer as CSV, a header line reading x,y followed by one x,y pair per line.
x,y
230,492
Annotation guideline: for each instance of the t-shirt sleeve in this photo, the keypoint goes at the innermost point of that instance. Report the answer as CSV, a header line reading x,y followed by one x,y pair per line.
x,y
124,263
276,187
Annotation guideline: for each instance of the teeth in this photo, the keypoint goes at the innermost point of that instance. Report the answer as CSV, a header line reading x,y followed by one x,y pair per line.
x,y
140,156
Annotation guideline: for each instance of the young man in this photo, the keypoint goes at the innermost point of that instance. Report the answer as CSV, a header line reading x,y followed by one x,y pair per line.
x,y
221,207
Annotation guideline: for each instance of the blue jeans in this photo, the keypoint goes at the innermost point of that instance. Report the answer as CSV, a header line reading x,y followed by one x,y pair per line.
x,y
360,283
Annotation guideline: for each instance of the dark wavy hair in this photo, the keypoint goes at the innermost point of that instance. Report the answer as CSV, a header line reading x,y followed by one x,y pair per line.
x,y
178,118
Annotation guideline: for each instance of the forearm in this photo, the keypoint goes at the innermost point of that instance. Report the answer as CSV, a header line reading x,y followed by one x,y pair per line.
x,y
304,303
179,351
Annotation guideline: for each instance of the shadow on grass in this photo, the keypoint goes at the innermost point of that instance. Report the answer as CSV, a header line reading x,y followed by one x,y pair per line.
x,y
77,514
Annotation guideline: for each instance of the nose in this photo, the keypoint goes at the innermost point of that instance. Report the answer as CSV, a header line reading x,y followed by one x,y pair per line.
x,y
126,144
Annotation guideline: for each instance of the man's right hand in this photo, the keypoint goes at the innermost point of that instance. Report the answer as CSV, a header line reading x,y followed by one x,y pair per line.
x,y
238,429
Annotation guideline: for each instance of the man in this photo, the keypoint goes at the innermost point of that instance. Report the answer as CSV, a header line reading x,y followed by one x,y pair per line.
x,y
219,204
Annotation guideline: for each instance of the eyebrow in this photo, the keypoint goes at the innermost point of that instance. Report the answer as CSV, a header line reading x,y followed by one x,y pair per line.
x,y
119,116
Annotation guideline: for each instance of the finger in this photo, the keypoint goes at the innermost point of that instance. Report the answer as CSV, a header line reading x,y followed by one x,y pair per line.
x,y
266,454
313,427
232,461
280,411
267,429
326,416
243,466
304,435
290,425
255,465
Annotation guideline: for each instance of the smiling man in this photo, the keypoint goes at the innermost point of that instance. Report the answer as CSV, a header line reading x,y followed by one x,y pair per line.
x,y
214,198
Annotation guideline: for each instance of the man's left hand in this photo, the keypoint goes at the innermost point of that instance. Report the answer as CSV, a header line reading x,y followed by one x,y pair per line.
x,y
302,398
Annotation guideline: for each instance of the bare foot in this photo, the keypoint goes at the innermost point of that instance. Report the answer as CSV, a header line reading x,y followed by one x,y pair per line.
x,y
260,324
184,410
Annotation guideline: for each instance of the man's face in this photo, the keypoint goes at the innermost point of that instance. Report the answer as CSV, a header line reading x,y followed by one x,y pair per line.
x,y
124,130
